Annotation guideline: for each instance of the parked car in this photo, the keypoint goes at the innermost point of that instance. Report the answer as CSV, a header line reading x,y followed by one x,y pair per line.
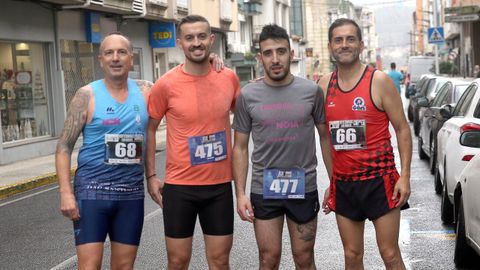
x,y
431,120
460,138
467,205
428,90
412,90
418,66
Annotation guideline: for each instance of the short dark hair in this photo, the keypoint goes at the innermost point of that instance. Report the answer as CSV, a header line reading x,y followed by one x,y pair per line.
x,y
393,65
273,31
117,33
342,22
192,19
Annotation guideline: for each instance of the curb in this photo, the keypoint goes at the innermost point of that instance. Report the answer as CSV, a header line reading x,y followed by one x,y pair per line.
x,y
50,178
42,180
28,184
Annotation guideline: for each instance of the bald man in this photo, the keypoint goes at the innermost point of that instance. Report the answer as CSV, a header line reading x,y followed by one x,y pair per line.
x,y
107,197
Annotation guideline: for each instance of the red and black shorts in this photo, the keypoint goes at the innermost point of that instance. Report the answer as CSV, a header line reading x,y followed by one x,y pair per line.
x,y
359,200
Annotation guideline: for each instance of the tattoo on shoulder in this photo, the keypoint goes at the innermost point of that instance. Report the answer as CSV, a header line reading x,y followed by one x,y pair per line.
x,y
75,121
144,85
308,230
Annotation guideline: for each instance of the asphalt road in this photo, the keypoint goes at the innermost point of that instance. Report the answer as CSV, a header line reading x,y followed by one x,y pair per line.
x,y
34,235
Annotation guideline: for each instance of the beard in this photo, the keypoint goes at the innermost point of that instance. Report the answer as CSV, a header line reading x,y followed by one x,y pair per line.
x,y
343,59
198,60
279,76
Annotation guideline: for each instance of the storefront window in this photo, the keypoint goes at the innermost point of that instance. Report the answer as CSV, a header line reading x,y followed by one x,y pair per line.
x,y
23,96
80,65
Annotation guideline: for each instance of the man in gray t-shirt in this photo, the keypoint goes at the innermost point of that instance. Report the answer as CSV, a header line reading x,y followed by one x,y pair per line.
x,y
281,112
282,120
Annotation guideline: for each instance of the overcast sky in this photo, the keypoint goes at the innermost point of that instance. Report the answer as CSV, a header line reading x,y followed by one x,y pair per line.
x,y
393,22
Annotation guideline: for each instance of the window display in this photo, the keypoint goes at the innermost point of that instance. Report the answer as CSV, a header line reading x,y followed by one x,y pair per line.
x,y
23,100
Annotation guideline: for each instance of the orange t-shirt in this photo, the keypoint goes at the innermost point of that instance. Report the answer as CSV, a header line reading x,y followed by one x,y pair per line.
x,y
194,106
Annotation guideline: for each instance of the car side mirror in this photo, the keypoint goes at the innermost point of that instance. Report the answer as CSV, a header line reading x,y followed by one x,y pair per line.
x,y
410,91
446,111
422,102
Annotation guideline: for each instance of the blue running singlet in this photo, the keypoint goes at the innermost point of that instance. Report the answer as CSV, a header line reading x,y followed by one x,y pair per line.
x,y
111,159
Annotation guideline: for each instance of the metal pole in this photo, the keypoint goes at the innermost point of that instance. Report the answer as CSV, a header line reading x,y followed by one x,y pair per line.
x,y
435,22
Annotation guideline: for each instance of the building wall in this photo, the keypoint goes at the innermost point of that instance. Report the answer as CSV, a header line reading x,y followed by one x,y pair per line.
x,y
367,23
210,9
463,36
29,22
316,32
137,31
35,23
23,21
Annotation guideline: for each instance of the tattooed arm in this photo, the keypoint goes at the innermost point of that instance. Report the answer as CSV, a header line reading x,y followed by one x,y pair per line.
x,y
74,123
145,87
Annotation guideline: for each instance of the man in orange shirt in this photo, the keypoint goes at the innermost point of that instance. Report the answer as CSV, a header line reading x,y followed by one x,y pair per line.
x,y
196,102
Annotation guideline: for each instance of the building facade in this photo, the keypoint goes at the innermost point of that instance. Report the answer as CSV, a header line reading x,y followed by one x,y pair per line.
x,y
252,16
48,50
366,21
462,22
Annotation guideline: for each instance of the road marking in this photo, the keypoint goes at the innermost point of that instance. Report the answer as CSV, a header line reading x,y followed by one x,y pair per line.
x,y
445,232
28,196
404,241
68,263
442,234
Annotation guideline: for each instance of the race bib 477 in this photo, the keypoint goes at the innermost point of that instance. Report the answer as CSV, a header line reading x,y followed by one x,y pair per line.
x,y
284,184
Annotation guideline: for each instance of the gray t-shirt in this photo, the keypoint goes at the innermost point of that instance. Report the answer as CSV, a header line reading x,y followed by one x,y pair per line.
x,y
282,120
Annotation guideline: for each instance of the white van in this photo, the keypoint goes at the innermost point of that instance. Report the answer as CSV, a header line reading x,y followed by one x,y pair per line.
x,y
417,66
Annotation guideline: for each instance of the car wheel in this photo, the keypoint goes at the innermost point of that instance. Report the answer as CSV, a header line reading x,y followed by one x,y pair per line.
x,y
464,255
416,126
433,156
421,153
410,114
437,182
447,207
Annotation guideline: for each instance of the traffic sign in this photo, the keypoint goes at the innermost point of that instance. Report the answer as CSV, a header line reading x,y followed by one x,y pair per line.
x,y
435,35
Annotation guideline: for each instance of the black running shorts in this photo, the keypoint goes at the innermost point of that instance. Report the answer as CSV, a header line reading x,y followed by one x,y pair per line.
x,y
359,200
212,203
300,211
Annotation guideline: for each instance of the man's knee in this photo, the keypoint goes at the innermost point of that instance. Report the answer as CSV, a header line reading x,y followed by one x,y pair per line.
x,y
89,264
219,260
122,265
353,255
270,259
391,256
177,261
304,259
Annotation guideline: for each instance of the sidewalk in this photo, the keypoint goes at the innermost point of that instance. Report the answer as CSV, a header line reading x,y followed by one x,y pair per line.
x,y
32,173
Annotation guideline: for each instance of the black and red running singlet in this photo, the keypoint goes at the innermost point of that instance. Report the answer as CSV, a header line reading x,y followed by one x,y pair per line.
x,y
360,138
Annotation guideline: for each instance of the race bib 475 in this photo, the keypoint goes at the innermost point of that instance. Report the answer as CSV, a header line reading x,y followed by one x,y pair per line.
x,y
208,148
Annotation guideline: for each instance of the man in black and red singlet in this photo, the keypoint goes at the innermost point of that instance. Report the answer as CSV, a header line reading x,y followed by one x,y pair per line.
x,y
359,104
